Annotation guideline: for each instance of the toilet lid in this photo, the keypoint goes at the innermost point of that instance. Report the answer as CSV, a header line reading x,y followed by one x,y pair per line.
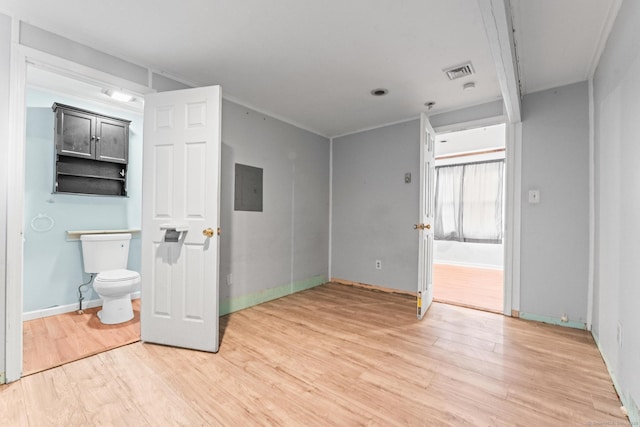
x,y
117,275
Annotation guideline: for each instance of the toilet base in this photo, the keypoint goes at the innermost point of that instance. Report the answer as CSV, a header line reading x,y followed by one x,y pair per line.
x,y
116,310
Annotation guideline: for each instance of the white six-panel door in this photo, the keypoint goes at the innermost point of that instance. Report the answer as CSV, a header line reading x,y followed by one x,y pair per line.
x,y
181,187
425,224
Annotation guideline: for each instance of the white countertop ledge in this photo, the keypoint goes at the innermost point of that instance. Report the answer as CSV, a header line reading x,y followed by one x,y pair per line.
x,y
73,235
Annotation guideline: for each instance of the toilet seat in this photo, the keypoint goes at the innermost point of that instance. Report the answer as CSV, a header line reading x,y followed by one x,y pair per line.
x,y
120,277
116,282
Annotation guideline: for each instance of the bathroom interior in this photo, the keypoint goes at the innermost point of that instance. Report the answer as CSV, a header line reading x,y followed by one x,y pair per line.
x,y
52,321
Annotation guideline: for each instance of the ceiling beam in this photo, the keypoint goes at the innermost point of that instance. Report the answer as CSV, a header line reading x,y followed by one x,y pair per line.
x,y
496,15
607,26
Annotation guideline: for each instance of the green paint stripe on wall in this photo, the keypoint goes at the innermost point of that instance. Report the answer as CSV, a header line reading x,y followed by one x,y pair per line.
x,y
553,321
246,301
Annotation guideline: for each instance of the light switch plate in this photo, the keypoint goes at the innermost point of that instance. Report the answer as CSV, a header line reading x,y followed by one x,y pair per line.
x,y
534,196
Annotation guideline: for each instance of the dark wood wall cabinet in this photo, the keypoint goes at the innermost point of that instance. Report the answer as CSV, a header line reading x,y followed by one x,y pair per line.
x,y
92,152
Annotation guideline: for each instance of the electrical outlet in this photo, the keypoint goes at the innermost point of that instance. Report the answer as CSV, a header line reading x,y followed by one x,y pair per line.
x,y
229,279
378,264
534,196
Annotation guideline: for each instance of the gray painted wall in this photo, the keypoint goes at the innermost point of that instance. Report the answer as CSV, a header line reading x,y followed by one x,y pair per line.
x,y
555,233
373,209
617,193
5,61
289,241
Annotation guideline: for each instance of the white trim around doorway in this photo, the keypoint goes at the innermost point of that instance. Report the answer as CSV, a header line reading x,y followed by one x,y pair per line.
x,y
21,58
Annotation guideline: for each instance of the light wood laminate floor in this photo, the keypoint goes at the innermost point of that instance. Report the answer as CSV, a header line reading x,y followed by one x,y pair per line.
x,y
335,355
55,340
480,288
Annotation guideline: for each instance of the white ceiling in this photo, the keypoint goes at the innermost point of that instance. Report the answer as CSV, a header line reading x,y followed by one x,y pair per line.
x,y
558,41
470,140
313,63
71,87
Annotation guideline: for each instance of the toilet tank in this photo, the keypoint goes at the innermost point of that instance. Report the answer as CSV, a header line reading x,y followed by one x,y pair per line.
x,y
102,252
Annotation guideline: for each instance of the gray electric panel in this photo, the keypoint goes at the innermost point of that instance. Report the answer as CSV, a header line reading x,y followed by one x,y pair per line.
x,y
248,191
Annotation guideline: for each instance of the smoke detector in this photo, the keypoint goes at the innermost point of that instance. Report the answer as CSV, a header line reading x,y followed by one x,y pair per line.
x,y
459,71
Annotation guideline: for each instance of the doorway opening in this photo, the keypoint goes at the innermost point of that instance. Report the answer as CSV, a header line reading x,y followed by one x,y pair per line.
x,y
53,332
468,265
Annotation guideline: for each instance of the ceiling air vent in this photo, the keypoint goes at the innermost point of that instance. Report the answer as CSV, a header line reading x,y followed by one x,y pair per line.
x,y
459,71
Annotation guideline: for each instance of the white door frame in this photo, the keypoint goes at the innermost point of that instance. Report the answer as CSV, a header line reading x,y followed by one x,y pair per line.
x,y
513,160
21,57
513,199
15,212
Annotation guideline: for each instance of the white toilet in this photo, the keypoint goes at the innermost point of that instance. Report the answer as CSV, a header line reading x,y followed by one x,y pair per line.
x,y
107,255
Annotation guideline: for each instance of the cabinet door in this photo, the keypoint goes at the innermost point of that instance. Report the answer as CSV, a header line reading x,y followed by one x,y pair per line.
x,y
112,140
74,133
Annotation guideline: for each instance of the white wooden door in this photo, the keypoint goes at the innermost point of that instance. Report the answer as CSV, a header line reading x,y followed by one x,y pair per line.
x,y
425,223
181,187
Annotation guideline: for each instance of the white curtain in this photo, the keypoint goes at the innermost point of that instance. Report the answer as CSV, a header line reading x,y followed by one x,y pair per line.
x,y
448,202
469,202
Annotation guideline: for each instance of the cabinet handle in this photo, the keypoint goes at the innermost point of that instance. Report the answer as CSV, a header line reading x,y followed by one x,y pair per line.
x,y
97,138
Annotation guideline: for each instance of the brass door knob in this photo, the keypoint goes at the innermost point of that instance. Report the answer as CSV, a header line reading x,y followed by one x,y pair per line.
x,y
208,232
422,226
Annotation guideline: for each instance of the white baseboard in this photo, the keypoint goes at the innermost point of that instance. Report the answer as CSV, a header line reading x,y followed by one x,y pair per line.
x,y
61,309
466,264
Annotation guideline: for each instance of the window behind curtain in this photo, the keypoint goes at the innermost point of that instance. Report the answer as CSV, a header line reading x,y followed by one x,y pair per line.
x,y
469,202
